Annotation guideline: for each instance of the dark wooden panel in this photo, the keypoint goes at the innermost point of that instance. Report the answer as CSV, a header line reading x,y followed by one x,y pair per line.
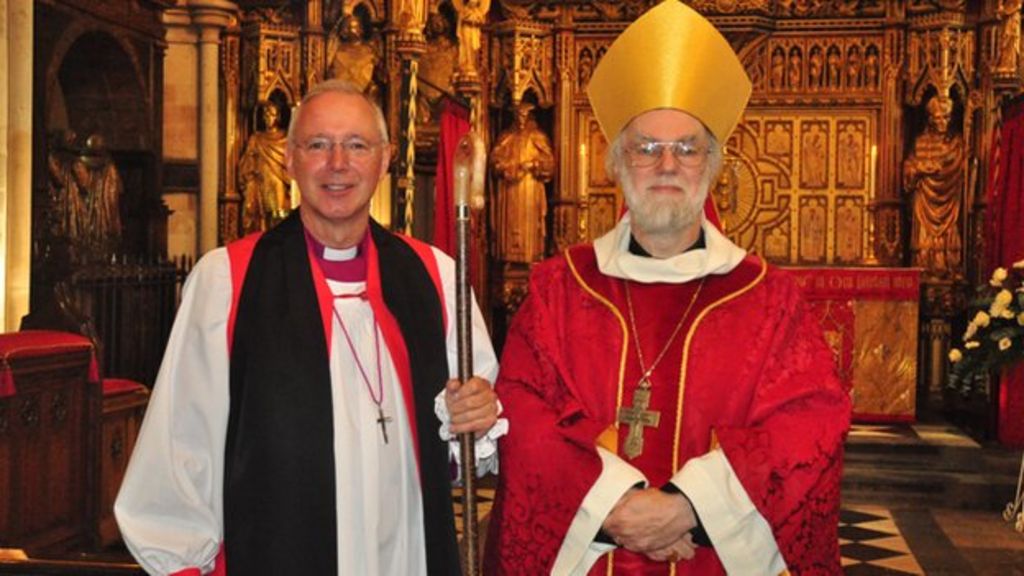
x,y
46,454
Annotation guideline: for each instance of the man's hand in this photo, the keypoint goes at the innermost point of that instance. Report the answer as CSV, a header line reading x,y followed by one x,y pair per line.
x,y
473,407
649,520
682,549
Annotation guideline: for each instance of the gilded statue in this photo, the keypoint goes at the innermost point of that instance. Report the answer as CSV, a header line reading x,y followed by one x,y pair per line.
x,y
85,193
523,159
472,16
62,188
410,14
933,175
834,65
1009,12
794,69
263,175
437,66
355,58
725,194
871,67
815,68
778,73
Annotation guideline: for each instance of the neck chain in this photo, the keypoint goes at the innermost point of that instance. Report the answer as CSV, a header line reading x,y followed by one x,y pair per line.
x,y
377,398
645,378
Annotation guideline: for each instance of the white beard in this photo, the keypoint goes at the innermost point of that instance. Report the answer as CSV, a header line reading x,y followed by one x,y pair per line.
x,y
662,215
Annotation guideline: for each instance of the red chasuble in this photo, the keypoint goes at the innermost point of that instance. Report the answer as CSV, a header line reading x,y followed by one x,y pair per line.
x,y
749,373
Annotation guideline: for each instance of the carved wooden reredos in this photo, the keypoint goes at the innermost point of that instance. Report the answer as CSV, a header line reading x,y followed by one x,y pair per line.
x,y
813,174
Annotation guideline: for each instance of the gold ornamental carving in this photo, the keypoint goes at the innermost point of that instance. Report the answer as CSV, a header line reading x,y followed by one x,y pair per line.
x,y
271,57
526,55
814,65
795,185
409,17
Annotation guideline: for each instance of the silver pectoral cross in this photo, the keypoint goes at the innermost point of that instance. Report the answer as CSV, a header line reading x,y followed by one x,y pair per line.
x,y
637,417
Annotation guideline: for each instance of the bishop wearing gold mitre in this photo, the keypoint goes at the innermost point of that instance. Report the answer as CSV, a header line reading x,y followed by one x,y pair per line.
x,y
674,408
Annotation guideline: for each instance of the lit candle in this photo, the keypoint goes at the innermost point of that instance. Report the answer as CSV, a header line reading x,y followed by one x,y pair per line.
x,y
872,171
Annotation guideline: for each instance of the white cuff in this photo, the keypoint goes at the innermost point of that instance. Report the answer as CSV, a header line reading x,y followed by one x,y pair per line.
x,y
742,537
579,552
486,444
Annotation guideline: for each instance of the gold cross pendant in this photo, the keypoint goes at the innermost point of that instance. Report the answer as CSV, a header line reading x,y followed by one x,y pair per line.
x,y
637,417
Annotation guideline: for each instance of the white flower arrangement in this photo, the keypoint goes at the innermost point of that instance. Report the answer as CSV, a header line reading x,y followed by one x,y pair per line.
x,y
995,335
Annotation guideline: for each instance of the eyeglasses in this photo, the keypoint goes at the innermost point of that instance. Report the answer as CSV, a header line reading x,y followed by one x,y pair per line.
x,y
323,148
647,154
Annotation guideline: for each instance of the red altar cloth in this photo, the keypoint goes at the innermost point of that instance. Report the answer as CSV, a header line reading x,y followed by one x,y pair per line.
x,y
30,343
869,316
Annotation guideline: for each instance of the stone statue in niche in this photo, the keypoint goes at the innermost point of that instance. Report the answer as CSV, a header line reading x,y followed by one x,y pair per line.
x,y
815,68
472,16
355,58
794,69
1009,12
834,63
85,190
524,161
853,67
871,65
585,67
778,73
933,176
437,65
262,173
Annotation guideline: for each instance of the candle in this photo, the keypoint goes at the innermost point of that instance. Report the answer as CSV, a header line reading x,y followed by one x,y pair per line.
x,y
872,168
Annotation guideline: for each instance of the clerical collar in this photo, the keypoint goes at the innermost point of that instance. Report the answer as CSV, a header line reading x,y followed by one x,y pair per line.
x,y
637,250
341,265
614,258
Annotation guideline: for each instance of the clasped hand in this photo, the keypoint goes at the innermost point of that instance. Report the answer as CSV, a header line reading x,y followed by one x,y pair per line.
x,y
473,406
654,523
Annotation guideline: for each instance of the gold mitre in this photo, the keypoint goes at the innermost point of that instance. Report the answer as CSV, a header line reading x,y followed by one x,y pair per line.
x,y
670,57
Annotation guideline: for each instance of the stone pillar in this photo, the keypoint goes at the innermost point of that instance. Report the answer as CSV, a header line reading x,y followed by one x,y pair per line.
x,y
210,18
15,159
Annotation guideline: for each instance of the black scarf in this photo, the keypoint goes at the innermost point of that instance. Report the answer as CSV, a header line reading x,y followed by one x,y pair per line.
x,y
279,485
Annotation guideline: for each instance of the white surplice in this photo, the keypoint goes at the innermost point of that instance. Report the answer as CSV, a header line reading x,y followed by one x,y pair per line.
x,y
170,505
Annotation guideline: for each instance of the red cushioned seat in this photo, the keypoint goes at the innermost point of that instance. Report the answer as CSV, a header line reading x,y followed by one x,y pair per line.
x,y
115,386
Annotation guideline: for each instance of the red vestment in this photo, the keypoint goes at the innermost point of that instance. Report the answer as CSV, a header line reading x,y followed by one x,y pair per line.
x,y
749,372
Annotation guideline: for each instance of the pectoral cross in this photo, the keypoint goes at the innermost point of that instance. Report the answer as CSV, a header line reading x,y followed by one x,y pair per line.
x,y
383,421
637,417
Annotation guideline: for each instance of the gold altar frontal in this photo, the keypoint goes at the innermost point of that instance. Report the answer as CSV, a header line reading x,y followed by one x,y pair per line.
x,y
870,320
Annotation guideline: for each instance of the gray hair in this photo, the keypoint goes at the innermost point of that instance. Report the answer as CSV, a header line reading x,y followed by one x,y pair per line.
x,y
340,87
615,160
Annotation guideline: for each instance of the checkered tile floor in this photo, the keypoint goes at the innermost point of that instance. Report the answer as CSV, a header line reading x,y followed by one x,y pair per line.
x,y
869,541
